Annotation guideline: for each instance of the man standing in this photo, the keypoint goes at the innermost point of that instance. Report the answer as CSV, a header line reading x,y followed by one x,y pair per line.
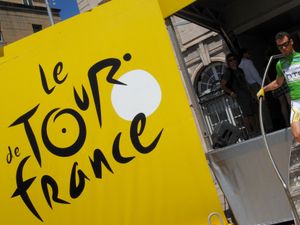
x,y
254,82
251,74
234,83
288,68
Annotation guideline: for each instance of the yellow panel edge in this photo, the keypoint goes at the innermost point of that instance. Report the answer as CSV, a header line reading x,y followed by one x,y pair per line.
x,y
169,7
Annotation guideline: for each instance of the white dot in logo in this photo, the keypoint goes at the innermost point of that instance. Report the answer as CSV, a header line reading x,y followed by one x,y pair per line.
x,y
141,94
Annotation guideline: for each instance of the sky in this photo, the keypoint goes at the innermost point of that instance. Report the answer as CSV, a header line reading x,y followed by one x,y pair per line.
x,y
68,8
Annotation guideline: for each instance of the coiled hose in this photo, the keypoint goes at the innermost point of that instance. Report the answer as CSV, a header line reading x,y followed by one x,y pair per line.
x,y
285,187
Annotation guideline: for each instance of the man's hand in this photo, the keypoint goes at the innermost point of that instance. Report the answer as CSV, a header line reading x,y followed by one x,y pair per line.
x,y
232,94
260,93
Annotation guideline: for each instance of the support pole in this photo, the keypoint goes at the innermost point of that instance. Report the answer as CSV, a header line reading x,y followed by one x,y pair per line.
x,y
49,13
189,86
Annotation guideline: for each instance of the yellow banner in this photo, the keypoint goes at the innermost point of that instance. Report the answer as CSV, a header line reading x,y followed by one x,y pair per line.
x,y
96,127
169,7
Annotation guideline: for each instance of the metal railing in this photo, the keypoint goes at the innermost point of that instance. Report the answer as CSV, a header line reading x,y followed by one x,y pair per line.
x,y
218,107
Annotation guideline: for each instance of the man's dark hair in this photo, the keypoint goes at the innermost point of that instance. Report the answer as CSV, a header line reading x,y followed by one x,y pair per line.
x,y
230,55
244,50
281,35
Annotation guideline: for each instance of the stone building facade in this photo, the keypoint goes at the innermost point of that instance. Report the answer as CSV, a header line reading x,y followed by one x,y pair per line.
x,y
20,18
201,48
85,5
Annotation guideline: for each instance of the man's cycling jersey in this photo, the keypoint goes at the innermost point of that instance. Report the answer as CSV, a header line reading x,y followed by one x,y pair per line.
x,y
290,68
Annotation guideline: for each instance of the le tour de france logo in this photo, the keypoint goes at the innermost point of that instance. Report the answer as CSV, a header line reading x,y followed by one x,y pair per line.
x,y
135,95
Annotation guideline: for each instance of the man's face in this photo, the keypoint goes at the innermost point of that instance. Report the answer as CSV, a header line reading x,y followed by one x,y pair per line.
x,y
285,45
232,62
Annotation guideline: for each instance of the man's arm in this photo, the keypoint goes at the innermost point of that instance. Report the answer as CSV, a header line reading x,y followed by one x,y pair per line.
x,y
274,84
270,87
226,89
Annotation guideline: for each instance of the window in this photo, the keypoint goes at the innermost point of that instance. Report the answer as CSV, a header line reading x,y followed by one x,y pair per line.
x,y
209,78
1,38
27,2
36,27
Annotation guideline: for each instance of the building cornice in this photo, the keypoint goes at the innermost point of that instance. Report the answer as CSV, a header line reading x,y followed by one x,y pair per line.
x,y
27,8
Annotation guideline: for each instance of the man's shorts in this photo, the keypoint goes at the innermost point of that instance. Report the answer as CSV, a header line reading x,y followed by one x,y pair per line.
x,y
295,111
